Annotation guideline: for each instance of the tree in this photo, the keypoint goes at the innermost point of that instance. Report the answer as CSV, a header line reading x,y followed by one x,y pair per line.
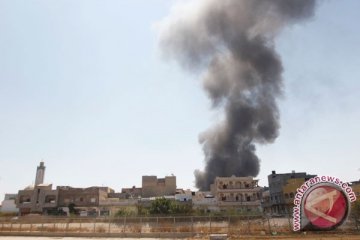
x,y
72,209
180,208
167,206
160,206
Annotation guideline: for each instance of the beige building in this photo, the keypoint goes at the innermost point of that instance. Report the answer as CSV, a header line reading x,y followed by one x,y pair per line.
x,y
205,202
37,198
41,198
239,193
156,187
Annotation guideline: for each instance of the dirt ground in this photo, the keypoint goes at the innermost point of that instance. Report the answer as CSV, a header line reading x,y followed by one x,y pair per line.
x,y
313,237
250,237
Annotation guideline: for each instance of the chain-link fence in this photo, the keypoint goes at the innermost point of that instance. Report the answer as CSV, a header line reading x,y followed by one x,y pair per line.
x,y
187,226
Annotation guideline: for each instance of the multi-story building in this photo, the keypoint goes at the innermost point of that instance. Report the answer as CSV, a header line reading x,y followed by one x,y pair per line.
x,y
37,198
156,187
8,204
242,194
265,200
131,193
41,198
282,188
205,202
86,200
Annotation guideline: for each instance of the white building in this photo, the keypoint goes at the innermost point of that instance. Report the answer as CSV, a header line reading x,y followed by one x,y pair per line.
x,y
8,204
205,201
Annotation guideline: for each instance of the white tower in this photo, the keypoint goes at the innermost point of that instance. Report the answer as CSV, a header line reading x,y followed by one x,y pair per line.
x,y
40,173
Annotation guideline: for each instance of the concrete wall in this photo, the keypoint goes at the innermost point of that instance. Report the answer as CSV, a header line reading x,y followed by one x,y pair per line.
x,y
8,204
154,187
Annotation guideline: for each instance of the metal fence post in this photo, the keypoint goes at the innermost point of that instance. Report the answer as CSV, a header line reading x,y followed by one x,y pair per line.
x,y
157,224
141,220
192,226
124,224
228,228
67,226
268,224
210,225
174,226
290,228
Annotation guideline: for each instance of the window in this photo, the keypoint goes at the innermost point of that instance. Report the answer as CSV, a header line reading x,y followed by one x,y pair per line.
x,y
93,200
50,199
25,199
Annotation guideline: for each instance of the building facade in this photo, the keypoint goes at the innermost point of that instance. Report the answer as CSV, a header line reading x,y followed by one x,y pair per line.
x,y
157,187
8,205
282,188
37,199
242,194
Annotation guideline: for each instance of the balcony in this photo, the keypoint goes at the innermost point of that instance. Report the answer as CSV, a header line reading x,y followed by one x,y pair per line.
x,y
239,203
240,190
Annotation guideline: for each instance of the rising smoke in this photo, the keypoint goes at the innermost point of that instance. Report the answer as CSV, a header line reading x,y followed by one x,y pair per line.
x,y
233,41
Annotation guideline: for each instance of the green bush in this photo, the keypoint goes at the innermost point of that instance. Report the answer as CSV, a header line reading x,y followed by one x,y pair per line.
x,y
165,206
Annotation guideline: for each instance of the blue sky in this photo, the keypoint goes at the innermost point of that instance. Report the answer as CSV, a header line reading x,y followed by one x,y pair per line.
x,y
84,88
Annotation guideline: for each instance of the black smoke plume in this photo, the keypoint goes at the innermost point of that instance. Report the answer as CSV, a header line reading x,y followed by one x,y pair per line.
x,y
234,41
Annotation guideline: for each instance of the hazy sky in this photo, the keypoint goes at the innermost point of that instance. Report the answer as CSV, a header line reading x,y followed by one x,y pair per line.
x,y
84,88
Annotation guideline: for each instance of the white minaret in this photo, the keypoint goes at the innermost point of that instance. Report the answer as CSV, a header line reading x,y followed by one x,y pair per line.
x,y
40,173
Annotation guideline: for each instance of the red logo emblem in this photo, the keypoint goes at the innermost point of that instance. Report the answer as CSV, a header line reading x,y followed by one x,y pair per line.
x,y
326,207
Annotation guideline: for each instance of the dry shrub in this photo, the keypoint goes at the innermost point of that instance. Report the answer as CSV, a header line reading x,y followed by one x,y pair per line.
x,y
135,229
202,230
184,229
163,227
25,229
101,229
